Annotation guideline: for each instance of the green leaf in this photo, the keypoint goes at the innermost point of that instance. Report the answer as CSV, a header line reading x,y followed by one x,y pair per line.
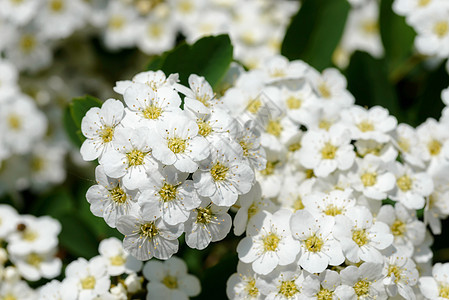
x,y
209,57
80,106
315,32
397,38
71,129
77,237
56,203
367,81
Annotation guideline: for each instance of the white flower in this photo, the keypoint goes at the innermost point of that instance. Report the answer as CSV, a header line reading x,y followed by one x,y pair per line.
x,y
432,136
400,276
148,105
19,13
8,220
131,157
322,286
47,165
224,175
169,280
406,140
318,246
16,290
436,286
116,259
331,87
176,142
37,265
269,242
157,34
200,97
109,199
207,223
243,285
363,282
372,178
282,284
169,195
360,237
56,290
407,230
294,190
154,79
90,277
373,124
411,188
433,33
327,151
409,7
148,237
34,235
331,204
8,78
98,126
248,136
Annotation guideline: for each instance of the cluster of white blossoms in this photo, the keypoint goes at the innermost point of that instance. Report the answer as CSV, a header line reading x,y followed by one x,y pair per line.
x,y
28,252
27,157
430,20
331,195
165,170
116,275
31,29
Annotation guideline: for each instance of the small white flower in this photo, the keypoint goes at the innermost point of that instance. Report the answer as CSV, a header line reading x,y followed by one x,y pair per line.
x,y
34,266
98,126
169,279
269,242
331,204
436,286
243,285
116,259
400,276
322,286
318,245
207,223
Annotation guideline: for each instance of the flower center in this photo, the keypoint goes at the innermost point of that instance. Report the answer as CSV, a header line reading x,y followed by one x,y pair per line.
x,y
246,147
56,5
444,291
106,134
441,29
398,228
149,230
204,215
155,30
170,282
254,106
204,128
269,169
252,210
117,260
219,171
361,288
297,205
404,183
135,157
118,195
34,259
274,127
324,124
9,296
270,242
332,210
27,43
14,122
314,244
152,112
88,283
37,164
177,145
434,147
396,271
404,144
168,192
370,26
288,289
116,22
29,235
365,126
324,91
360,237
324,294
423,2
369,179
328,151
294,147
293,102
251,288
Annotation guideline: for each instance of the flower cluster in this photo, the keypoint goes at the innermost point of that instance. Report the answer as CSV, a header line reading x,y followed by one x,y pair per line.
x,y
28,251
31,29
430,19
335,211
27,158
116,275
166,170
